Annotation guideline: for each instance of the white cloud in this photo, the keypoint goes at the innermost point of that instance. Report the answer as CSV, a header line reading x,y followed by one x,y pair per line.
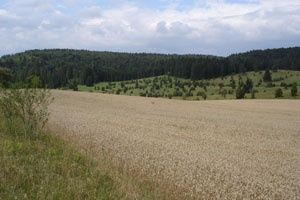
x,y
206,27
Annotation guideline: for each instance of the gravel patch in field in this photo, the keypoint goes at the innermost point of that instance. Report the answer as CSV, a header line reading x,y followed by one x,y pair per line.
x,y
234,149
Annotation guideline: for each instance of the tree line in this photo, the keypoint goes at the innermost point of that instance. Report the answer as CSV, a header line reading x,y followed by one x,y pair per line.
x,y
61,67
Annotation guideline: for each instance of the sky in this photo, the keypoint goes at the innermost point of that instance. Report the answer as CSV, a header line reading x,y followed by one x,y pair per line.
x,y
215,27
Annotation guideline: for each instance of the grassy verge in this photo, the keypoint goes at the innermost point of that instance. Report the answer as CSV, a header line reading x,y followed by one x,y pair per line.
x,y
47,168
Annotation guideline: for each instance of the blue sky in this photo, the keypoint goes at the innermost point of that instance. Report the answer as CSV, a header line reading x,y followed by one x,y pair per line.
x,y
216,27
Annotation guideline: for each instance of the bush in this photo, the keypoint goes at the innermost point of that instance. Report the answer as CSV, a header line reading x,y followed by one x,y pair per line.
x,y
30,106
240,94
278,93
72,84
177,93
253,94
189,94
142,94
270,85
204,96
283,84
224,92
199,93
118,91
294,90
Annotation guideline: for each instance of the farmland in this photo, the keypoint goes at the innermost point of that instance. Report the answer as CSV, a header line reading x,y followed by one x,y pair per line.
x,y
233,149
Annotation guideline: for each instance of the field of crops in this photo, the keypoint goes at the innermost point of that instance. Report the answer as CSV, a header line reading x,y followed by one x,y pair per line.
x,y
226,149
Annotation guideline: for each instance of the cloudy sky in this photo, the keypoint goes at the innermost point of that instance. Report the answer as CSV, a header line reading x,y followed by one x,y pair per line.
x,y
217,27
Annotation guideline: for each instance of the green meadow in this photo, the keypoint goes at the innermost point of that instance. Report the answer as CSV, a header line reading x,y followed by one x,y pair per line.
x,y
211,89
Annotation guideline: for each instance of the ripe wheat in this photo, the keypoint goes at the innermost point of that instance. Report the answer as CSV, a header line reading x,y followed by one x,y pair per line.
x,y
247,149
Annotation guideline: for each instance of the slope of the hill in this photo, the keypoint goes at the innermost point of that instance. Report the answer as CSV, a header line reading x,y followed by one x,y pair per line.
x,y
206,149
57,68
226,87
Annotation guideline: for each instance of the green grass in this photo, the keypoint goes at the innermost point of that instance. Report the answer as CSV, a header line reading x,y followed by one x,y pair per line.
x,y
164,86
40,165
47,168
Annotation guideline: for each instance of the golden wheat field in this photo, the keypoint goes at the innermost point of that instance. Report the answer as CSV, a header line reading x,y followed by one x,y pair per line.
x,y
232,149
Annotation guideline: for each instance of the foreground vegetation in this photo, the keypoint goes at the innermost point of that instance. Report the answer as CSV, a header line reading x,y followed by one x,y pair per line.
x,y
48,168
38,165
219,88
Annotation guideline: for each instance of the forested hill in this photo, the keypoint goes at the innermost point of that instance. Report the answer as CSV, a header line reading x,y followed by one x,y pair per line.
x,y
57,67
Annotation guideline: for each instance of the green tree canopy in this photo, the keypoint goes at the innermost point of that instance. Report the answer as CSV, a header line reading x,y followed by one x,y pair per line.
x,y
267,76
5,76
34,82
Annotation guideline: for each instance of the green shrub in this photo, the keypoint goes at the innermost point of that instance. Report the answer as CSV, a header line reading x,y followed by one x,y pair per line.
x,y
118,91
204,96
278,93
240,93
253,94
294,90
29,106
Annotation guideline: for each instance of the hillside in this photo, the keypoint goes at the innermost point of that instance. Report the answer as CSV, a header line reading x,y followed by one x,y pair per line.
x,y
224,87
60,67
191,149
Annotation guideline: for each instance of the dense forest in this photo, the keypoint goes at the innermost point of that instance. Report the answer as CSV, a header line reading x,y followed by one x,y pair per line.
x,y
59,67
